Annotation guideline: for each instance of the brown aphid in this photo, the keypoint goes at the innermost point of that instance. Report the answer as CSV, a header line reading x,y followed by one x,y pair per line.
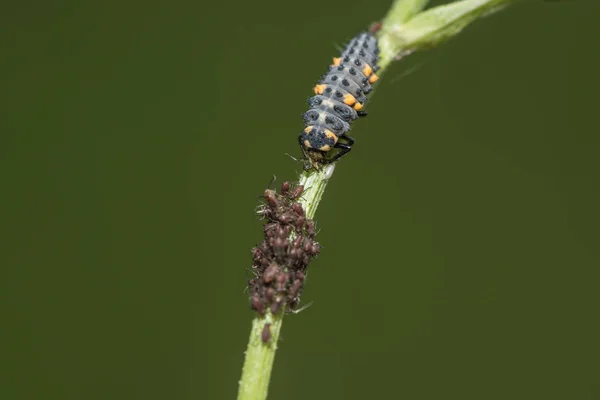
x,y
264,262
282,232
298,241
295,253
295,288
297,207
257,305
256,254
270,273
306,246
270,294
314,248
310,228
293,304
271,198
287,230
306,259
280,243
286,218
267,214
296,192
265,336
300,223
282,279
275,306
264,247
285,187
269,233
270,227
375,27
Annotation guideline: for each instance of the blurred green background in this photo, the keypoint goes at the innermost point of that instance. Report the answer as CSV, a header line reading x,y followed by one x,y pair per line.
x,y
460,237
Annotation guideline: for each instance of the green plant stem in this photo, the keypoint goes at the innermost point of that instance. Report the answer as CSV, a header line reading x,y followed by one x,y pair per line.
x,y
404,30
259,358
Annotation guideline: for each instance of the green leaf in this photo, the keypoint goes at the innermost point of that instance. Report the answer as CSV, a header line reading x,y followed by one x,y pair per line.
x,y
402,10
432,27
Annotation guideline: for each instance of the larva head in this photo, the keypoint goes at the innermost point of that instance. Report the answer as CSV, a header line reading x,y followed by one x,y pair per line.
x,y
315,138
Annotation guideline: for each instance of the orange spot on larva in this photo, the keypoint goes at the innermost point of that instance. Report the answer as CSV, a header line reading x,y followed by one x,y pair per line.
x,y
319,89
331,135
349,100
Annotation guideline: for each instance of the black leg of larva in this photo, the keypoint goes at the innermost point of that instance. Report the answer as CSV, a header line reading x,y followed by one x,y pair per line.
x,y
350,139
344,148
361,113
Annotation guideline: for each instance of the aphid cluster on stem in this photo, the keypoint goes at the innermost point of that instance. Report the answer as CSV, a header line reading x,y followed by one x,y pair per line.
x,y
281,259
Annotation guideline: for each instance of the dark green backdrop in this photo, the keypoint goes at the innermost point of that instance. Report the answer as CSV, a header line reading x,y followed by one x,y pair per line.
x,y
460,237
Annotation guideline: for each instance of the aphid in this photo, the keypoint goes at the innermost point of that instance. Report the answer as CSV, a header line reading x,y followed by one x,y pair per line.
x,y
265,336
298,241
286,218
339,98
270,197
270,294
269,229
375,27
257,305
295,254
275,306
314,249
297,192
295,289
280,244
307,246
297,207
310,228
287,230
300,223
282,279
270,273
256,254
